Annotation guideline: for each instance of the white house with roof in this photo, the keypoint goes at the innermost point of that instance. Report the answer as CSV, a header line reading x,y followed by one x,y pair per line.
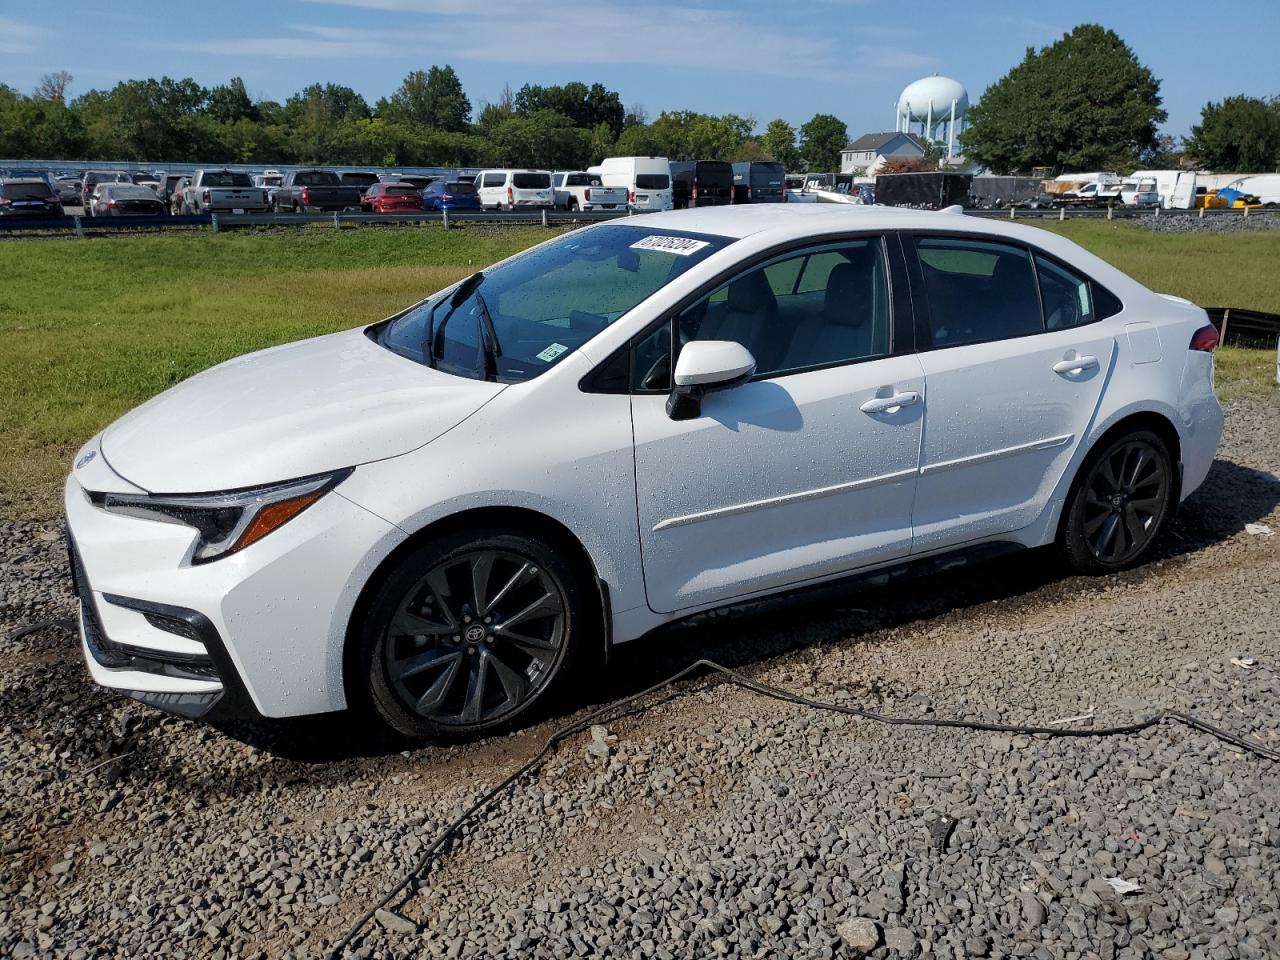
x,y
870,151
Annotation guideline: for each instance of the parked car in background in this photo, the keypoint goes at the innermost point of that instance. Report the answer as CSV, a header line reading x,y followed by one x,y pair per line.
x,y
391,198
222,191
1139,193
419,180
125,200
148,180
647,180
515,189
68,189
701,183
268,181
91,178
577,190
305,190
441,515
450,195
759,181
169,184
358,178
28,196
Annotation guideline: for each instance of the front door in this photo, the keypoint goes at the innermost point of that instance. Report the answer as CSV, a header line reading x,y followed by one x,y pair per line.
x,y
805,472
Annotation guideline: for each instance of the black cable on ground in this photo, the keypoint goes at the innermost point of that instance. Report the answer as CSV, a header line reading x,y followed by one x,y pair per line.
x,y
628,705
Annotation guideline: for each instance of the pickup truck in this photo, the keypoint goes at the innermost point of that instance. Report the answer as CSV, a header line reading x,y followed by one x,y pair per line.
x,y
304,190
585,191
222,191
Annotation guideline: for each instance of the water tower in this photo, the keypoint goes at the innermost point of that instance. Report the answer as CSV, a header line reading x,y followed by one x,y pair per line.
x,y
936,103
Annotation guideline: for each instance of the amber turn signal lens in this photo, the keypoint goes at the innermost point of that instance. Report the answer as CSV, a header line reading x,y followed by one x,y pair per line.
x,y
275,515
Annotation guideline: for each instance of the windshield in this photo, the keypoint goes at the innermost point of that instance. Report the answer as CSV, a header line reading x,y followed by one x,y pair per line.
x,y
548,302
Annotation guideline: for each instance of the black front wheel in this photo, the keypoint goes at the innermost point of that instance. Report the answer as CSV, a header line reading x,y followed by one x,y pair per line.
x,y
470,632
1120,504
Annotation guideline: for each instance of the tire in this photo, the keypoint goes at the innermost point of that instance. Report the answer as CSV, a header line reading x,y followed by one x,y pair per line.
x,y
1119,504
513,647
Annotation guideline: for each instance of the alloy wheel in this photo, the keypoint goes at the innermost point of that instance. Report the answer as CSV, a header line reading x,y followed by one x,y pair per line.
x,y
1124,500
476,638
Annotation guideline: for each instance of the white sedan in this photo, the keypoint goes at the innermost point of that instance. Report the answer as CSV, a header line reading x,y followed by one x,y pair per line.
x,y
443,515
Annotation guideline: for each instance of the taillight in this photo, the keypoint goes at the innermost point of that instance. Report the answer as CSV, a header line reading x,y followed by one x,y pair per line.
x,y
631,196
1206,339
693,191
206,198
111,204
510,196
5,201
306,194
586,194
50,199
264,197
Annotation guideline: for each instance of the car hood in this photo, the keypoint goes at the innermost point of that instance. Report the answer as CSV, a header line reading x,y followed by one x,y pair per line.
x,y
290,411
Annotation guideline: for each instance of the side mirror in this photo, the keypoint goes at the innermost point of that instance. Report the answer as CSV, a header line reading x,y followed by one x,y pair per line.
x,y
706,366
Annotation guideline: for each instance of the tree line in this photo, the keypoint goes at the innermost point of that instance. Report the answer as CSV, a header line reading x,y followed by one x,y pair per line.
x,y
427,121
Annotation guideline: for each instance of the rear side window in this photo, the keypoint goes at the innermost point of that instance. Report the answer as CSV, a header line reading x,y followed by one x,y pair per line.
x,y
653,181
1067,299
1105,303
978,291
531,181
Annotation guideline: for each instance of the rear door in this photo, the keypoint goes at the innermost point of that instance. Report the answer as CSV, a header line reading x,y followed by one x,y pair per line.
x,y
1011,385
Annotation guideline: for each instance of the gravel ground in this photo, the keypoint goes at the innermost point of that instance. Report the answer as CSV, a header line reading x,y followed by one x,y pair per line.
x,y
1210,222
718,823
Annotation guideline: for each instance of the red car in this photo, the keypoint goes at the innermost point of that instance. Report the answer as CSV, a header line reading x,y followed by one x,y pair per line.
x,y
391,198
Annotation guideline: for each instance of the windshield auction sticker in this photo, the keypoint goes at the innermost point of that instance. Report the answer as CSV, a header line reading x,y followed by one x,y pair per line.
x,y
681,246
551,352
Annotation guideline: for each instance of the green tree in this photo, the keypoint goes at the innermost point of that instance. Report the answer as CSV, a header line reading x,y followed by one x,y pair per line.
x,y
545,139
230,102
1239,134
145,120
821,141
585,106
685,135
779,143
1083,102
431,98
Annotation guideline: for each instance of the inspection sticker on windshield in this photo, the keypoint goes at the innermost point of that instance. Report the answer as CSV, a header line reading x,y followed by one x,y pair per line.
x,y
551,352
681,246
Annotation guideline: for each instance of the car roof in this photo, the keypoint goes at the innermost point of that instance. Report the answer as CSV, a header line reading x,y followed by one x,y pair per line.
x,y
19,180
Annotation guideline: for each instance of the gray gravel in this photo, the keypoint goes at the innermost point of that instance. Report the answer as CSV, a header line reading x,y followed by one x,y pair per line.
x,y
1211,222
717,824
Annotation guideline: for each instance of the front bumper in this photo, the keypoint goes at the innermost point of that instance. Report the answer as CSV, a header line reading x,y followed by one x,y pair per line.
x,y
261,631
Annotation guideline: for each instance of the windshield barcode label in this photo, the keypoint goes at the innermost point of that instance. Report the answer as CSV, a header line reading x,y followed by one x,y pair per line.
x,y
681,246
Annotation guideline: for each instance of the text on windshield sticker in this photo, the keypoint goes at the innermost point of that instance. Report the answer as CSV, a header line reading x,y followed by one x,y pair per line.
x,y
551,352
681,246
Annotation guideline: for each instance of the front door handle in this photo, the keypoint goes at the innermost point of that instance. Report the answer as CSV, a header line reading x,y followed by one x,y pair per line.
x,y
890,404
1078,365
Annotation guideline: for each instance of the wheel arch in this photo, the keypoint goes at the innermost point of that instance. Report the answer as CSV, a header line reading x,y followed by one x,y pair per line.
x,y
510,519
1158,423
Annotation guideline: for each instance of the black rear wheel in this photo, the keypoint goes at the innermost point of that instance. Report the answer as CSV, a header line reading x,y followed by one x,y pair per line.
x,y
1120,503
468,633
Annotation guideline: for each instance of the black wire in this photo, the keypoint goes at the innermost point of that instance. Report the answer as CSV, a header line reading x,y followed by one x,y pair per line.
x,y
626,706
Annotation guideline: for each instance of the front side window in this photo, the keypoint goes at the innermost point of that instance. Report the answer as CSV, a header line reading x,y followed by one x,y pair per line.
x,y
978,291
548,302
817,307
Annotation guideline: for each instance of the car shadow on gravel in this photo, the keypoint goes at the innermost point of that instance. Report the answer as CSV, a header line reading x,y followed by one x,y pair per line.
x,y
844,612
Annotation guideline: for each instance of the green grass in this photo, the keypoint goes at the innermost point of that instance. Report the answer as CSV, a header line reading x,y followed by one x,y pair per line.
x,y
91,328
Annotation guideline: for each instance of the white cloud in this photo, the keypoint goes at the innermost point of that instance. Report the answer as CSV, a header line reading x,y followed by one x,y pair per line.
x,y
550,33
19,37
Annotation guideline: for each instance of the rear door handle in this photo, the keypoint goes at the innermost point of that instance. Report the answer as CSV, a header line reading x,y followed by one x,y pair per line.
x,y
1078,365
890,404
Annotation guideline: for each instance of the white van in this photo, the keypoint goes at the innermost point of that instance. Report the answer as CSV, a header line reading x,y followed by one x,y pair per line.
x,y
647,180
515,189
1264,186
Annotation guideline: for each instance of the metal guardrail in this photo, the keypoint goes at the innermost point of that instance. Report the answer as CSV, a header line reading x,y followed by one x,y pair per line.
x,y
82,225
1246,328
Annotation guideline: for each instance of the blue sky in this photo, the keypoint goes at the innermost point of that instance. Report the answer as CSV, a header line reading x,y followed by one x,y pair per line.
x,y
847,57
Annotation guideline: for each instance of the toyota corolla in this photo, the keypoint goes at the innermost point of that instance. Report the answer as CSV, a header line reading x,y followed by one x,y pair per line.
x,y
446,514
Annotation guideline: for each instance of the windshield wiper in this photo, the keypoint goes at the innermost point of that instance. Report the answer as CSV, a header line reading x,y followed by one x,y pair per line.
x,y
489,338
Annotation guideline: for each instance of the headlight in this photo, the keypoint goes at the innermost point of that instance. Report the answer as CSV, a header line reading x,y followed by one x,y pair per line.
x,y
228,521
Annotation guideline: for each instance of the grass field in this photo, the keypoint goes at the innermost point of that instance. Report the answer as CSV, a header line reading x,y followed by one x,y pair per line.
x,y
93,327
